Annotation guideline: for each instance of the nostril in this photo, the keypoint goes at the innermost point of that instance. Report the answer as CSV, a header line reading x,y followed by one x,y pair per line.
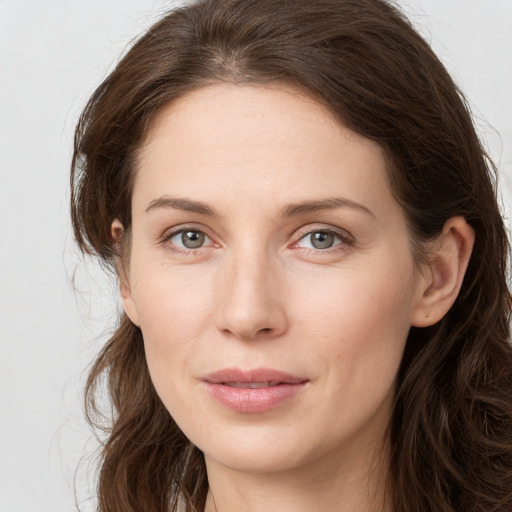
x,y
265,330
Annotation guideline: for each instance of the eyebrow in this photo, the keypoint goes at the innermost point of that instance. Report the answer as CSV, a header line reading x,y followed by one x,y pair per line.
x,y
325,204
180,204
291,210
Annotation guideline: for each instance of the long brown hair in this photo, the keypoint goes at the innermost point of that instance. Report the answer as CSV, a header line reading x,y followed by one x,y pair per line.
x,y
451,429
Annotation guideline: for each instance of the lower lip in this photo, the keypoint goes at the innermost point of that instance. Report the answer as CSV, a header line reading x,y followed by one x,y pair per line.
x,y
253,400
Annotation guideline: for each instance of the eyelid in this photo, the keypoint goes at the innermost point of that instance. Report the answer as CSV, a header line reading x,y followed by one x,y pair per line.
x,y
346,239
180,228
322,228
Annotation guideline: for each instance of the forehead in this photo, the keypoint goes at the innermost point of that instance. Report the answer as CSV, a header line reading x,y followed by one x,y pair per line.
x,y
253,142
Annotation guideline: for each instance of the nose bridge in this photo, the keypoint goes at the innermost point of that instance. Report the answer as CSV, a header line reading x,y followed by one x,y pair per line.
x,y
250,305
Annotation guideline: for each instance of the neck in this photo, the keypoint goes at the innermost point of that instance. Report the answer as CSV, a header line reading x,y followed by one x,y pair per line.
x,y
351,482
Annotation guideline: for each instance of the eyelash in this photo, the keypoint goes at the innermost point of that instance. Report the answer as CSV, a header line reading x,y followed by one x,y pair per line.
x,y
345,239
177,231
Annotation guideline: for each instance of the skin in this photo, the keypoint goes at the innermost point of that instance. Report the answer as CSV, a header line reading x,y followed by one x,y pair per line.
x,y
258,293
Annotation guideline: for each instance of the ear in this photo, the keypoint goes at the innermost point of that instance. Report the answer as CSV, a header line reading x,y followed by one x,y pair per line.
x,y
448,261
117,232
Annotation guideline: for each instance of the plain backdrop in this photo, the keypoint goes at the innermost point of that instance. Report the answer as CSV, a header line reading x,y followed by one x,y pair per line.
x,y
55,309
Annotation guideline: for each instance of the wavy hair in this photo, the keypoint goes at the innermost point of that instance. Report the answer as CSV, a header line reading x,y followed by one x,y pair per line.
x,y
451,427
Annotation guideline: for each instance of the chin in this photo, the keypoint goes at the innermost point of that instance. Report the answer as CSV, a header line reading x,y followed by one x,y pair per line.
x,y
260,458
253,448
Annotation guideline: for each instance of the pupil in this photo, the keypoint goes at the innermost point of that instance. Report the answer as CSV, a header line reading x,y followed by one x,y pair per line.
x,y
192,239
321,240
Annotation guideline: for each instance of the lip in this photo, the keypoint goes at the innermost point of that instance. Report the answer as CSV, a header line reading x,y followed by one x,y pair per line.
x,y
229,387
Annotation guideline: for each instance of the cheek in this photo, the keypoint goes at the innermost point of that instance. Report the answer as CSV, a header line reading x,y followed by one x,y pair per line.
x,y
174,308
171,301
359,322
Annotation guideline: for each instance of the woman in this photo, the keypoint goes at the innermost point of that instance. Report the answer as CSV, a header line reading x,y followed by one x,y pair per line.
x,y
312,267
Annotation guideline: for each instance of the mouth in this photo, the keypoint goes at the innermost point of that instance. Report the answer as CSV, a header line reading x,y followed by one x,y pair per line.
x,y
259,377
253,391
251,385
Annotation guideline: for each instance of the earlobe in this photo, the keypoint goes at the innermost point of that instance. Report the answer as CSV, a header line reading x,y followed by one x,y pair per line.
x,y
117,232
448,261
128,303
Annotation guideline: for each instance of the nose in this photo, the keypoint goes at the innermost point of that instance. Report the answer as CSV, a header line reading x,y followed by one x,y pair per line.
x,y
250,302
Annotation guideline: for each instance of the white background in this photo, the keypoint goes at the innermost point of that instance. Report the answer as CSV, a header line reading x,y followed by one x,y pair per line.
x,y
52,55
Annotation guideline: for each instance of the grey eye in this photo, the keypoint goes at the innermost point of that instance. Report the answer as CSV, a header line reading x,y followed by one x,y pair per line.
x,y
188,240
192,239
322,240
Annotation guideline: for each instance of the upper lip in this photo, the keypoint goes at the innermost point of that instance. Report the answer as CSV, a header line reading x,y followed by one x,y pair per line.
x,y
253,375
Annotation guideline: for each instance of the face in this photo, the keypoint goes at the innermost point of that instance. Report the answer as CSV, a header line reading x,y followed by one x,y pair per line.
x,y
272,276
